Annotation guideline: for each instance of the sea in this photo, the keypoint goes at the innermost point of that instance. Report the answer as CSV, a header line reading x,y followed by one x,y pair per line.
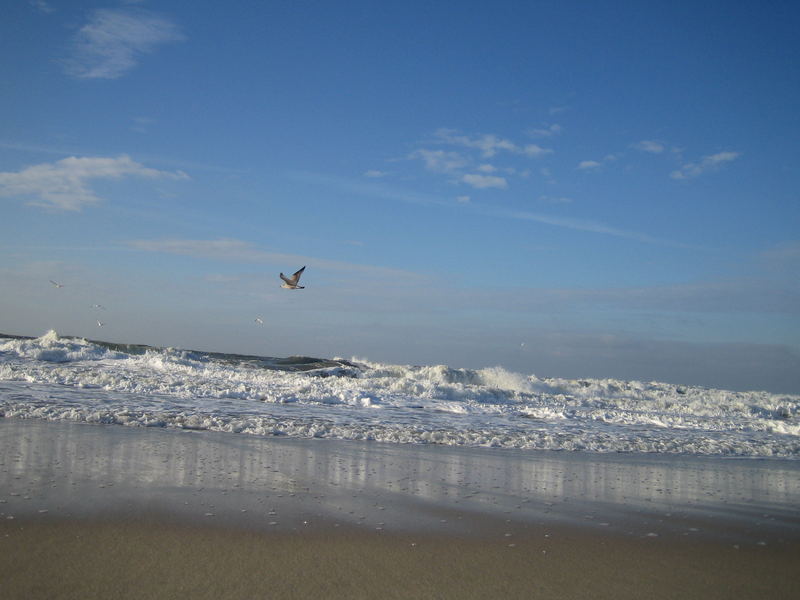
x,y
62,378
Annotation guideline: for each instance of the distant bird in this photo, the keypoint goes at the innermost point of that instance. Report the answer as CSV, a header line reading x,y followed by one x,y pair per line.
x,y
259,320
99,324
291,282
99,306
58,285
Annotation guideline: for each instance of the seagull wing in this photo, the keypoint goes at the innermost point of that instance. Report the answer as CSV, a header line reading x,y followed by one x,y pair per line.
x,y
294,278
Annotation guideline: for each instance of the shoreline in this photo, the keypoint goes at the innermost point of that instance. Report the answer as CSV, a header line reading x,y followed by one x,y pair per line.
x,y
87,470
161,506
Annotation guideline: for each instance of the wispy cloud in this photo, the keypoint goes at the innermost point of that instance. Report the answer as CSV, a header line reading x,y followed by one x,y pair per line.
x,y
441,161
369,189
581,225
219,249
65,184
42,6
783,260
734,295
37,149
485,181
142,124
489,144
708,163
465,161
227,249
650,146
535,151
596,165
555,199
785,251
114,40
548,131
375,174
152,158
466,203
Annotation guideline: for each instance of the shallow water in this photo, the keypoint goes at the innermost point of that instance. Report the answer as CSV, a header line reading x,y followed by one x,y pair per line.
x,y
53,470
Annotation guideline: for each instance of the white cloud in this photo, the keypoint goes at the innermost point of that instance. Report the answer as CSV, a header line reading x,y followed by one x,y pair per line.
x,y
64,184
536,151
441,161
485,181
588,165
467,163
552,130
708,163
650,146
114,40
489,144
374,173
463,199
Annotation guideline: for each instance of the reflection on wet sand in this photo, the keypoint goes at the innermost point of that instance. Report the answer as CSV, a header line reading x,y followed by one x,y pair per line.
x,y
83,470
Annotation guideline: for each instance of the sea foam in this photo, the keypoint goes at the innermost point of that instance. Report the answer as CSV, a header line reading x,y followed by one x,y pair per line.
x,y
54,377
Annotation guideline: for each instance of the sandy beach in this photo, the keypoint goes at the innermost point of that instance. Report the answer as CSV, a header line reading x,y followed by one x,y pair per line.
x,y
97,511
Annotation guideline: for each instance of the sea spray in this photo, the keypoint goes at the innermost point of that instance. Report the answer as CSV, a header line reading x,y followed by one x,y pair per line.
x,y
63,378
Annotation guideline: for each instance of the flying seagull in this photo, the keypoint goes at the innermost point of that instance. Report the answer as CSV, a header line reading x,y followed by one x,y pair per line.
x,y
291,282
99,324
58,285
100,306
259,320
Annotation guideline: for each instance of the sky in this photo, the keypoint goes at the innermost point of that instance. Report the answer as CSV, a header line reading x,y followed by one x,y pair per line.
x,y
565,189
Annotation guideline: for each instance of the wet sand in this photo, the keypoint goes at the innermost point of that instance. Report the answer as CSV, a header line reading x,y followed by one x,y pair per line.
x,y
91,511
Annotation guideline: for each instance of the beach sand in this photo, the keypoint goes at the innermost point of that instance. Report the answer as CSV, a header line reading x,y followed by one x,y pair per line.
x,y
99,511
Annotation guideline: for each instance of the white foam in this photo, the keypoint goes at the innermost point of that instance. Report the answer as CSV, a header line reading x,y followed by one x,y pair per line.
x,y
58,378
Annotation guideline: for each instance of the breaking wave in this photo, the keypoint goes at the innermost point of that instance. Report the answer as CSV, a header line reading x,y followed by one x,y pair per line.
x,y
61,378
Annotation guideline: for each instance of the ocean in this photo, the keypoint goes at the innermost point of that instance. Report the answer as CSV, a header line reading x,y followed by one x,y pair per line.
x,y
61,378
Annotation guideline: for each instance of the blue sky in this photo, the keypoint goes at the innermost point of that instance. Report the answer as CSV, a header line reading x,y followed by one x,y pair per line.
x,y
571,189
